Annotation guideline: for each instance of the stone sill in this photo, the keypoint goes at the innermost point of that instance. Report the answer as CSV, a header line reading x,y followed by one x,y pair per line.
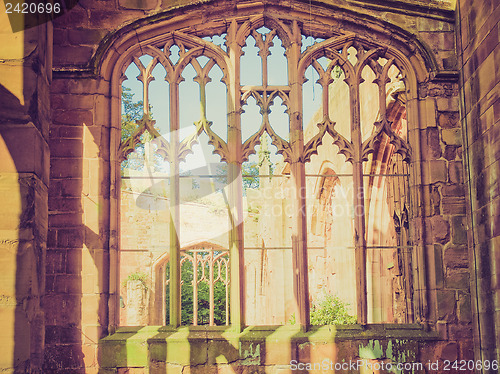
x,y
201,345
286,332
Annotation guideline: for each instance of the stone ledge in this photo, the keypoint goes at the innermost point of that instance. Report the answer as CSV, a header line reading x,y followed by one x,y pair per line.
x,y
255,345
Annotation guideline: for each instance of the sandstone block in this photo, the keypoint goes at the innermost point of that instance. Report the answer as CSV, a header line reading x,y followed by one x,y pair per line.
x,y
55,262
458,230
68,132
62,334
448,120
72,55
71,148
440,229
69,356
70,238
456,172
431,146
86,36
435,171
438,265
73,117
457,280
65,102
452,136
447,104
65,188
466,350
76,17
66,168
427,24
460,332
139,4
428,106
456,257
64,219
445,304
450,152
449,352
464,307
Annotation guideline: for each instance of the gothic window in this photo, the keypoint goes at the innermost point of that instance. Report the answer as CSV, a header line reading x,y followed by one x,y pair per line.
x,y
264,170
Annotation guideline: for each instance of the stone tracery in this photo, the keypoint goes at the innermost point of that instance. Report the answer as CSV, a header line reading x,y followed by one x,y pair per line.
x,y
347,55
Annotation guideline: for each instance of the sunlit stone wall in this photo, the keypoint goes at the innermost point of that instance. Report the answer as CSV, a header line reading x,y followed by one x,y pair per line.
x,y
478,45
78,257
25,76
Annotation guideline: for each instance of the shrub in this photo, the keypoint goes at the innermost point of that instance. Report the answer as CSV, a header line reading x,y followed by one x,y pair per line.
x,y
331,311
142,277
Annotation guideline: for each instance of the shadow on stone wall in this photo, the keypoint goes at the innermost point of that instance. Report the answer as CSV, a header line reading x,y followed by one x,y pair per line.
x,y
23,223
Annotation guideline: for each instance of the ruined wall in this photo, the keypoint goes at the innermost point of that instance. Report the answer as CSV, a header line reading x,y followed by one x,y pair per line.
x,y
25,76
478,49
79,262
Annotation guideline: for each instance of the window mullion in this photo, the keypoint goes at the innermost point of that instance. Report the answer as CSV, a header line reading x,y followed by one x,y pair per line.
x,y
175,267
235,185
359,205
299,233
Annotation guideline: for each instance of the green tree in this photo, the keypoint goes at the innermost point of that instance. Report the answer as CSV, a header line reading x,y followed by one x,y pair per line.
x,y
249,170
132,111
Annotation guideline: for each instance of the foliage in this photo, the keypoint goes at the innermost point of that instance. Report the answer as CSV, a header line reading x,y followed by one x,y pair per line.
x,y
203,296
249,170
331,311
132,111
138,276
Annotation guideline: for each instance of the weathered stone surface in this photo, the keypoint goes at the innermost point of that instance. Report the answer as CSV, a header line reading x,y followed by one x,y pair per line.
x,y
446,304
479,34
453,204
447,104
440,229
437,171
455,257
80,164
452,136
464,307
458,230
432,146
457,280
139,4
449,352
86,36
74,117
450,152
448,120
71,55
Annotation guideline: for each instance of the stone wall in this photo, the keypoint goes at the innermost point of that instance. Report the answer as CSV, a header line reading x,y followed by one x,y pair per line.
x,y
275,350
25,77
80,264
478,49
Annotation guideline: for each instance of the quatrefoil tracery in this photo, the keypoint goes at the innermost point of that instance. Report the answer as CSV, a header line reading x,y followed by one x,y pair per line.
x,y
339,50
174,77
265,101
352,68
